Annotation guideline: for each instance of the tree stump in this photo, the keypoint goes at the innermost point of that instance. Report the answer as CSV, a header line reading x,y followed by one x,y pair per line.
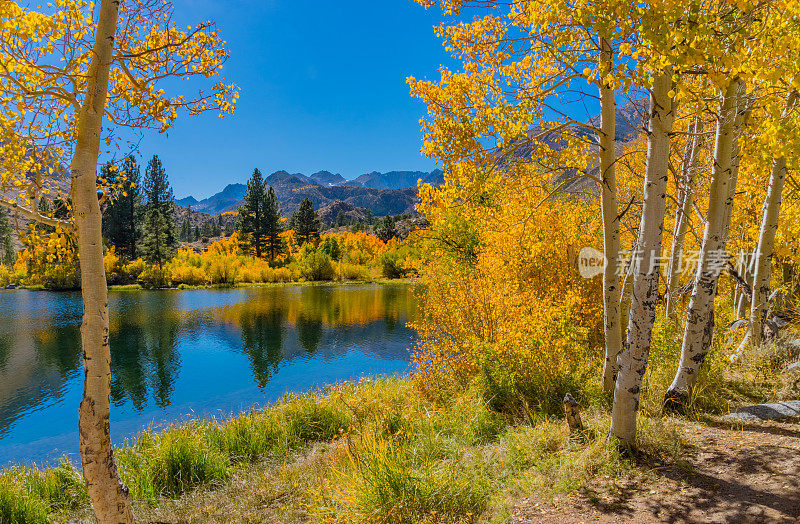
x,y
573,413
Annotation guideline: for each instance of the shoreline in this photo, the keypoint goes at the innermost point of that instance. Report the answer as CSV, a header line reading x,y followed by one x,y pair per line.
x,y
241,285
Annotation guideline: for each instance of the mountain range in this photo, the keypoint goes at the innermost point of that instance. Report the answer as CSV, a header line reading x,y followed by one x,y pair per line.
x,y
391,193
395,192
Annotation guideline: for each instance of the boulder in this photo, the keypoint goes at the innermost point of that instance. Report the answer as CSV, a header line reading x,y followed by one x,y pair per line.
x,y
763,412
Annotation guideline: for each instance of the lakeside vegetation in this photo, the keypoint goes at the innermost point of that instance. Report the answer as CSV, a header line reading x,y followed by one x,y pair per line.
x,y
696,211
385,451
338,257
259,249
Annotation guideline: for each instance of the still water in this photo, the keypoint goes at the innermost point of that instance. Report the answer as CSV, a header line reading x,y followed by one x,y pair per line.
x,y
185,354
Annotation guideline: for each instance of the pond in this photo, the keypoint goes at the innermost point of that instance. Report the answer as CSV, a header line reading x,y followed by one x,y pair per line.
x,y
177,355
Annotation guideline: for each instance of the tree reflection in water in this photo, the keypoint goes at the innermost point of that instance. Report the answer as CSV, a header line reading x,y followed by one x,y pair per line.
x,y
176,353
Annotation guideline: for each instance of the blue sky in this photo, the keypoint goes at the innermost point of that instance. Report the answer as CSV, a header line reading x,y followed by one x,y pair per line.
x,y
322,87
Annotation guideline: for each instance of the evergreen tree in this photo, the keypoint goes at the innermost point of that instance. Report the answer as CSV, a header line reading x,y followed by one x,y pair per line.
x,y
251,216
7,254
196,233
306,222
120,216
207,229
159,241
186,231
386,230
272,225
331,248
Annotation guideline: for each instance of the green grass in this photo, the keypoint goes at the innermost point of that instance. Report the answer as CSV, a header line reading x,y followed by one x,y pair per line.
x,y
379,451
36,495
124,287
18,504
171,462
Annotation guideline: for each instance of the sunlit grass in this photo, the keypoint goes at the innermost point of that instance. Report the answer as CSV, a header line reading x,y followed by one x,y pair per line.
x,y
381,451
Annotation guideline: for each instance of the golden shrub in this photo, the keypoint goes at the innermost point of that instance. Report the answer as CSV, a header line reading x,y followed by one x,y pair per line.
x,y
504,302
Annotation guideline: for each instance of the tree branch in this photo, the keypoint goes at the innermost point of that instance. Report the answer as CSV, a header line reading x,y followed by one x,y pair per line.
x,y
33,215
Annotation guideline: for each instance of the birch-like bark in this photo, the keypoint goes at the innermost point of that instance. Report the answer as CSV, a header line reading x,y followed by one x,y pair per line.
x,y
110,499
644,296
612,324
766,237
699,328
683,213
748,267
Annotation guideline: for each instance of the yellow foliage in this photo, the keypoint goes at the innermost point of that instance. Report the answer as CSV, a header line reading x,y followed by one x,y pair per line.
x,y
113,266
49,259
503,293
134,268
5,276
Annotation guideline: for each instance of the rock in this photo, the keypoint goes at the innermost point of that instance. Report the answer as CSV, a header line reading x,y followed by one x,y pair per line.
x,y
794,367
762,412
794,344
736,325
11,286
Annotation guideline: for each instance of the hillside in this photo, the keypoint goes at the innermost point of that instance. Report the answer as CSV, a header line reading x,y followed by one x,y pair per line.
x,y
397,179
394,192
370,191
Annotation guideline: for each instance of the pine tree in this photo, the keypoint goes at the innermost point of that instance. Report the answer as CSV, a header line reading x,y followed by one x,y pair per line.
x,y
120,216
306,222
251,216
186,230
272,225
208,231
159,242
7,254
196,233
386,230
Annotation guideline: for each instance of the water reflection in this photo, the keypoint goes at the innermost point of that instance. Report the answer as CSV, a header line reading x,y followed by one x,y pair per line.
x,y
262,341
144,355
179,353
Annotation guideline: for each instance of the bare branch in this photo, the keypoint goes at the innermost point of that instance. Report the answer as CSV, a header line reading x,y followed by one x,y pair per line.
x,y
33,215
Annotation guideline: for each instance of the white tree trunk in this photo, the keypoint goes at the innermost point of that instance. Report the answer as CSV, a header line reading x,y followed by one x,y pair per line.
x,y
766,237
683,213
612,325
699,328
110,499
644,297
742,304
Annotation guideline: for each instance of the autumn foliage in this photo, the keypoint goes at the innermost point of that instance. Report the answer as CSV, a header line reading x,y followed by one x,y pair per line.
x,y
504,304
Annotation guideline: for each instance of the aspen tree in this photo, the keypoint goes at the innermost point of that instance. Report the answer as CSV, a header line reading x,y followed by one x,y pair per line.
x,y
644,294
700,313
766,237
747,54
612,321
537,51
683,212
780,137
62,75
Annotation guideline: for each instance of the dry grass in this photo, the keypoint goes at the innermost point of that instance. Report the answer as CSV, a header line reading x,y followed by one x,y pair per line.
x,y
378,451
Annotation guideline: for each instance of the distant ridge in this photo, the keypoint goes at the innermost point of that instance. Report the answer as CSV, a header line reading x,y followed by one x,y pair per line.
x,y
395,192
391,193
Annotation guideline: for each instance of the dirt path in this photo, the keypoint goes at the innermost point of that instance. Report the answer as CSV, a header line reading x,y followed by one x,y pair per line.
x,y
750,474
